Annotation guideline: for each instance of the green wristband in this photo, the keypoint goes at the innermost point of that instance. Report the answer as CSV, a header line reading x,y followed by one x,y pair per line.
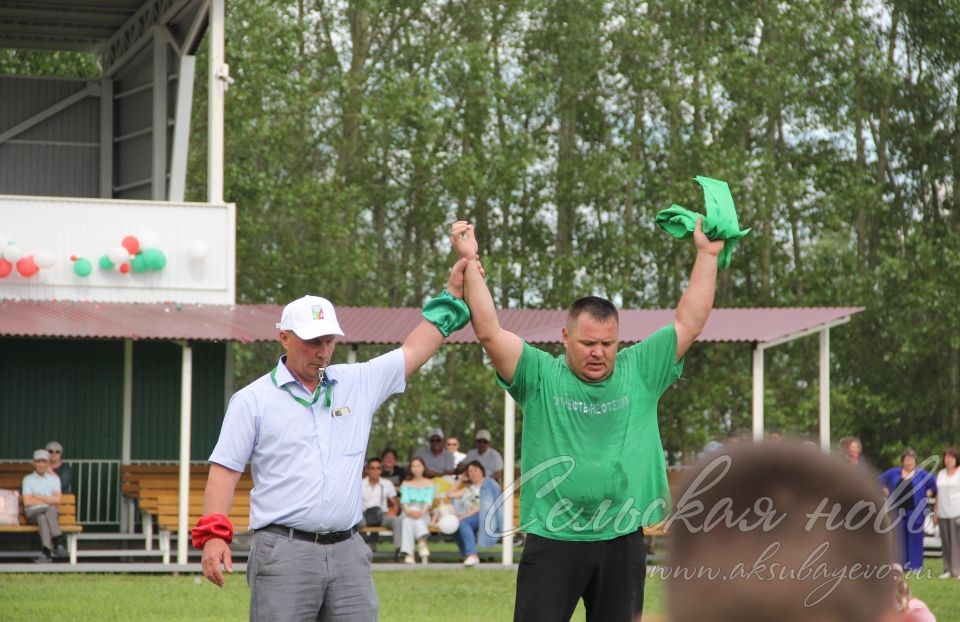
x,y
448,313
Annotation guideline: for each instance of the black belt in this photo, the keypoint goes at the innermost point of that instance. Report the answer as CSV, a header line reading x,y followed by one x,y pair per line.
x,y
331,537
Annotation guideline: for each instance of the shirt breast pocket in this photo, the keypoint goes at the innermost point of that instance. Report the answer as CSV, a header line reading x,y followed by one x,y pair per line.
x,y
350,432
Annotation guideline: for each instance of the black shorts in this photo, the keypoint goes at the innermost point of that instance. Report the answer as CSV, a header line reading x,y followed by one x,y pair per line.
x,y
554,574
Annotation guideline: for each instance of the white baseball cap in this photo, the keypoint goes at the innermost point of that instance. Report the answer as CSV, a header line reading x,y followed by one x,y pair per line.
x,y
310,317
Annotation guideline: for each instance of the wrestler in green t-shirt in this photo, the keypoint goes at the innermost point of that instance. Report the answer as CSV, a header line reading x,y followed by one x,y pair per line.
x,y
600,438
592,466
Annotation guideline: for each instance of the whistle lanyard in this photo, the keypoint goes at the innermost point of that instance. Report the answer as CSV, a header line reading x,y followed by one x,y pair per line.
x,y
323,387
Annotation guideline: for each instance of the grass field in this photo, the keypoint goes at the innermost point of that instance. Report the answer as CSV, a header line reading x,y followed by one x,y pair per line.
x,y
416,596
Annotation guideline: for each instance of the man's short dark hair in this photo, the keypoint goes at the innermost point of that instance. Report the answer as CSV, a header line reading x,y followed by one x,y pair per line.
x,y
788,570
600,309
389,450
374,459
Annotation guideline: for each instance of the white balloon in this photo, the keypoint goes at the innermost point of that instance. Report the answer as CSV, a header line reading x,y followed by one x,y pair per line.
x,y
197,251
118,255
449,524
45,259
12,252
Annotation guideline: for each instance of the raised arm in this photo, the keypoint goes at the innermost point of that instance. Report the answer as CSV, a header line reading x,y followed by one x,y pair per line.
x,y
424,341
697,301
503,347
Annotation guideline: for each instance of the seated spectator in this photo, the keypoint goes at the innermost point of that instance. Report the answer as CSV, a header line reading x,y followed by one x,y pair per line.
x,y
380,493
41,505
60,468
762,533
436,459
486,455
911,609
391,470
475,497
453,446
416,499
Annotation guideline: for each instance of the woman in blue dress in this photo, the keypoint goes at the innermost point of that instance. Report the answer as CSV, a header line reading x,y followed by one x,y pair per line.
x,y
908,489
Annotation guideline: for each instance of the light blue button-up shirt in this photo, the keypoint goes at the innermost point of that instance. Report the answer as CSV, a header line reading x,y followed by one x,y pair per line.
x,y
45,485
307,461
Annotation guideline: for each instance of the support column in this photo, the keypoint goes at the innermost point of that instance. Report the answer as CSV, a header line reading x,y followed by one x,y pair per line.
x,y
509,444
757,393
159,160
215,104
825,390
127,515
186,402
181,129
106,138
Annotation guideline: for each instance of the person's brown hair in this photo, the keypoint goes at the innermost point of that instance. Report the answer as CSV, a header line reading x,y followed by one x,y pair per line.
x,y
758,570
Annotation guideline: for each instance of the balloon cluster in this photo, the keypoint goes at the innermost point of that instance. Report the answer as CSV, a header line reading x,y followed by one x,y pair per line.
x,y
27,265
130,256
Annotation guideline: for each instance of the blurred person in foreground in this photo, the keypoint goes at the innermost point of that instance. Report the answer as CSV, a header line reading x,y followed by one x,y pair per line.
x,y
778,534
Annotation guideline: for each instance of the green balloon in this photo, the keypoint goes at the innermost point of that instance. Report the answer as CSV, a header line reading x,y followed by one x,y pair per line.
x,y
82,267
155,258
105,263
139,264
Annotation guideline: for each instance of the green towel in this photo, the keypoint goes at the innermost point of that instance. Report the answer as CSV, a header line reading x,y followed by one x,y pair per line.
x,y
720,222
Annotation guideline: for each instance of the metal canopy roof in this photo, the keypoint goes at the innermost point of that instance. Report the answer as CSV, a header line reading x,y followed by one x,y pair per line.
x,y
75,25
367,325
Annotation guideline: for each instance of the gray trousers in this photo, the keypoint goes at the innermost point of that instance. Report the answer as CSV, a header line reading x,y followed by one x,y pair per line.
x,y
394,524
47,519
298,580
950,541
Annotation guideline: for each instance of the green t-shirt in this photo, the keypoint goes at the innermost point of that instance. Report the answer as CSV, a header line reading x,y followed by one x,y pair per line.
x,y
592,466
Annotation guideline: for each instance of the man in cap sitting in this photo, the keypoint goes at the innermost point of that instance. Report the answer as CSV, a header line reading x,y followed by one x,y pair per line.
x,y
437,460
486,455
304,427
41,504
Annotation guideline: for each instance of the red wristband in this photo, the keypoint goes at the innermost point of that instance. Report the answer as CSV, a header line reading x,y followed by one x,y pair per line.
x,y
212,526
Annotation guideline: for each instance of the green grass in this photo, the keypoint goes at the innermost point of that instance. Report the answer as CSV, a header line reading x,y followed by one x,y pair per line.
x,y
415,596
405,596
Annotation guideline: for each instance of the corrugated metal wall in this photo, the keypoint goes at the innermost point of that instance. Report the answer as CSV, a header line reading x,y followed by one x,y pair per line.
x,y
133,124
72,391
156,400
60,155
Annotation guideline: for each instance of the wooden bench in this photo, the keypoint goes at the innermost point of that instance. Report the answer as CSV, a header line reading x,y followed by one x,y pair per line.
x,y
68,524
146,485
168,516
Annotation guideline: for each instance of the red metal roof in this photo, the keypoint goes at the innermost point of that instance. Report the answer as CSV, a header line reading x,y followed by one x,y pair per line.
x,y
249,323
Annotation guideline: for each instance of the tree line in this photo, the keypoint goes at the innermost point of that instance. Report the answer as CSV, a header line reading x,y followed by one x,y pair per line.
x,y
358,130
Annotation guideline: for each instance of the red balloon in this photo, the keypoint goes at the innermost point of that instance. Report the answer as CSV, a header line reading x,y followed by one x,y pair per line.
x,y
132,244
27,266
124,268
5,268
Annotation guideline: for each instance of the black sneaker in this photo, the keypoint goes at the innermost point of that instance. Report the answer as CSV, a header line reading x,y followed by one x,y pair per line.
x,y
61,551
45,557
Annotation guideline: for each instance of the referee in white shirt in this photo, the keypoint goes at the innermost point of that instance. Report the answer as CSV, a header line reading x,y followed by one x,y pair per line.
x,y
304,427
